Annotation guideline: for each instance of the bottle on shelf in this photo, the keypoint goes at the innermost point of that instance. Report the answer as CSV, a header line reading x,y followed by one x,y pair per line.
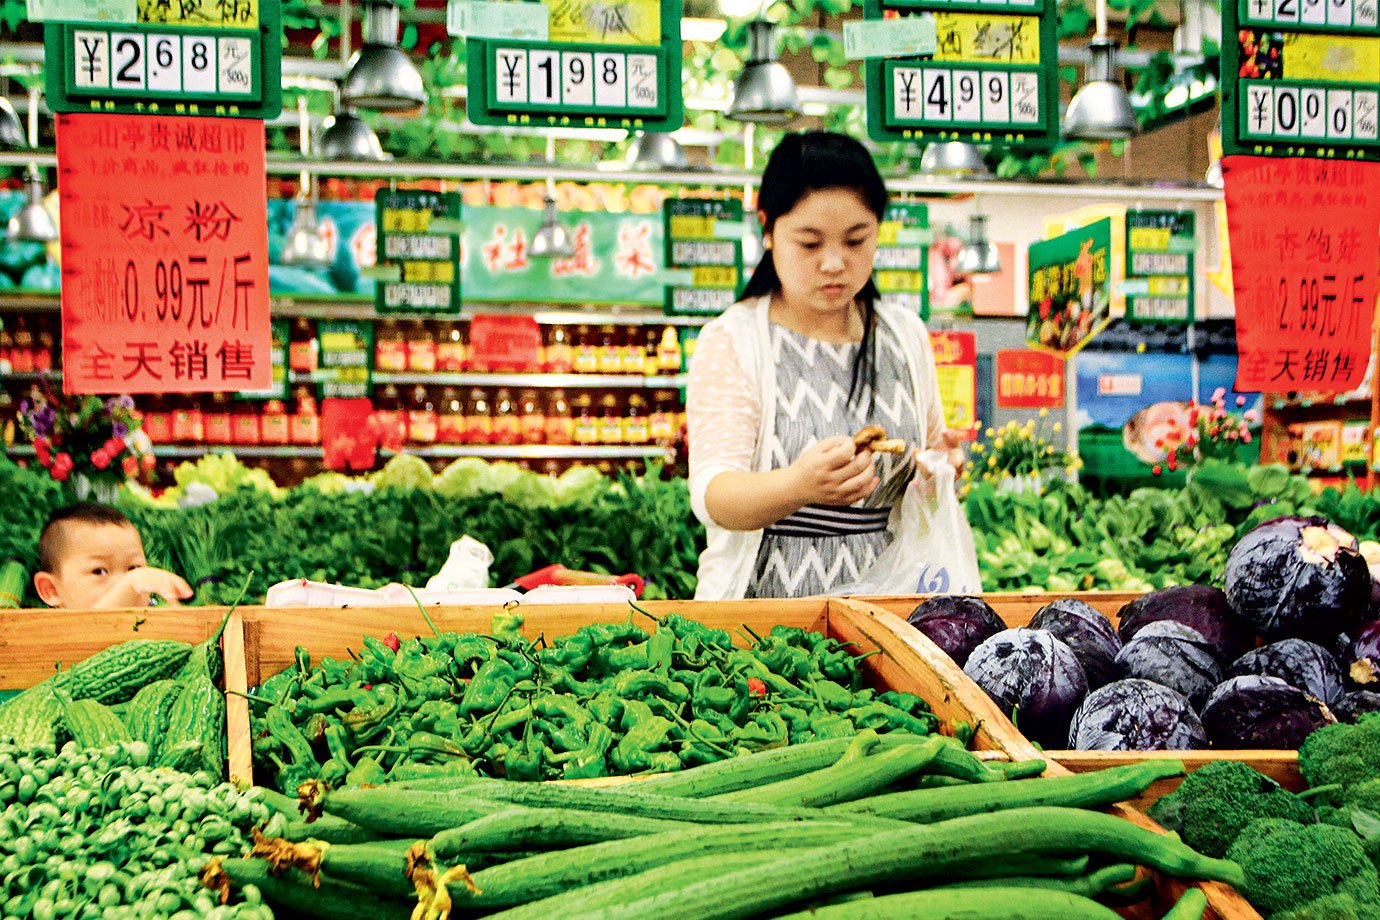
x,y
450,424
391,418
668,354
558,356
664,427
22,347
507,429
689,338
187,426
452,349
586,429
421,348
244,425
43,349
421,418
157,420
215,420
273,424
586,352
9,416
302,347
304,427
610,420
479,423
560,425
531,418
390,348
610,350
650,337
6,348
636,426
634,352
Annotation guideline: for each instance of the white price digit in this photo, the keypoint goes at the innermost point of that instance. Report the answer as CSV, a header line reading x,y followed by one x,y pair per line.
x,y
996,98
1286,10
1260,110
1025,98
544,77
1339,114
577,78
127,64
1313,113
1286,111
938,95
165,63
610,81
510,75
1314,12
905,92
967,96
91,54
1364,116
1339,12
198,64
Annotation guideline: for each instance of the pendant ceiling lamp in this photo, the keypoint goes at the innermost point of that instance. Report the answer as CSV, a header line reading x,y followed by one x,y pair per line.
x,y
764,92
552,240
953,158
653,151
306,246
346,136
382,77
978,256
11,128
1101,109
32,223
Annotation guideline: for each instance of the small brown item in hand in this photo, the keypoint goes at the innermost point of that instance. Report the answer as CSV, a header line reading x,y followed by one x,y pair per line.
x,y
874,438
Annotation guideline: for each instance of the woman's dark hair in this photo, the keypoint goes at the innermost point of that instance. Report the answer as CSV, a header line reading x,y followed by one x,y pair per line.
x,y
809,162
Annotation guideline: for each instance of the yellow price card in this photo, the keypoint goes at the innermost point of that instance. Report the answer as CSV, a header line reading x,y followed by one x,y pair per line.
x,y
692,227
714,276
606,22
896,281
1150,239
216,14
982,38
1331,58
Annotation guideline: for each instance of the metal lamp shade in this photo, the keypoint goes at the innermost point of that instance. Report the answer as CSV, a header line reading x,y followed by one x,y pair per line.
x,y
1214,174
764,92
952,158
656,150
11,128
1101,110
32,223
382,77
305,246
552,240
347,137
978,256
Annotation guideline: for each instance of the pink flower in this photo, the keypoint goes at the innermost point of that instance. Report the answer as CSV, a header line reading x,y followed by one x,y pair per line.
x,y
1219,394
1246,438
1240,401
1252,416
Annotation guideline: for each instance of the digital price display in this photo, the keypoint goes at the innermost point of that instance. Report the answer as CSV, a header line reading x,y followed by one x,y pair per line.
x,y
993,79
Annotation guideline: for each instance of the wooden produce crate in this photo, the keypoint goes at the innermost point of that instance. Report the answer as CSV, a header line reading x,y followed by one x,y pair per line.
x,y
1019,609
34,643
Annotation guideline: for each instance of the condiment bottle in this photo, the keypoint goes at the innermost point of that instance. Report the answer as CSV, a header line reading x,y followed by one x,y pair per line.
x,y
43,349
479,423
558,357
634,354
215,420
390,418
274,422
187,425
302,347
560,426
586,352
636,428
421,417
664,425
586,425
450,427
390,348
506,428
22,347
421,348
668,352
531,417
451,349
610,420
610,351
304,427
651,357
244,424
158,420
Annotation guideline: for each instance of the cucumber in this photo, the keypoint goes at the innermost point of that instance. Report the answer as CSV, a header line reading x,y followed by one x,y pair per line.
x,y
544,828
978,904
748,770
294,889
844,781
380,866
1090,885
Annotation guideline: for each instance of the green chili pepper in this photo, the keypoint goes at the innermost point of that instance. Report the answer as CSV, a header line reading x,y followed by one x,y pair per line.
x,y
638,683
491,683
883,717
366,772
589,761
660,648
366,721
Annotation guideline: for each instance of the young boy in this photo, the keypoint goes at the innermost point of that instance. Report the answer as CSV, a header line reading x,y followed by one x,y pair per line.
x,y
91,556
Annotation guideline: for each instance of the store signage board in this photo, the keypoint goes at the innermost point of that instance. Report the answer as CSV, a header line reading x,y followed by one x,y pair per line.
x,y
1029,379
901,266
993,78
1159,266
346,358
200,57
1070,288
955,365
1304,285
900,37
1301,78
501,20
164,254
602,66
714,259
81,10
419,237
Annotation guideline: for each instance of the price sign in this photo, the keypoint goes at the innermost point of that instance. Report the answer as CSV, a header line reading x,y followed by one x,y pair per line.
x,y
1159,266
1304,234
419,234
603,65
1301,78
1028,379
164,254
278,366
955,364
901,268
696,241
346,358
994,77
1070,288
199,57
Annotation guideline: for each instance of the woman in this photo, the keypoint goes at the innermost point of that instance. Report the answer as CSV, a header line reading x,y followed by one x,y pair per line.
x,y
781,382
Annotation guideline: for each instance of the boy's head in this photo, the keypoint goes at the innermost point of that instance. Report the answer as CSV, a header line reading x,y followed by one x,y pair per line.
x,y
81,549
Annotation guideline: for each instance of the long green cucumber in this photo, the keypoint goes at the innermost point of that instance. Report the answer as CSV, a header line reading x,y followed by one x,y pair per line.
x,y
552,873
380,866
918,851
294,889
330,829
844,781
1189,907
1083,790
543,828
401,813
952,760
976,904
283,804
748,770
1091,885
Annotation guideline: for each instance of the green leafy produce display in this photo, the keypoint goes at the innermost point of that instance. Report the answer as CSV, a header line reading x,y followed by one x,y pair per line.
x,y
102,833
611,699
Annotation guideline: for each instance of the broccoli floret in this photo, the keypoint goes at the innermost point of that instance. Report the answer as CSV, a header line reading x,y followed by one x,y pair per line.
x,y
1289,865
1214,803
1333,907
1342,754
1364,795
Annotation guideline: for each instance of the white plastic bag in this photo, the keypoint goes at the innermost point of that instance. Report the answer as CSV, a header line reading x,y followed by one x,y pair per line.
x,y
933,552
466,567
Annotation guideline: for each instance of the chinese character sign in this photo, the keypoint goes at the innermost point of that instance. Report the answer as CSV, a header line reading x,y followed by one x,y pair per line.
x,y
1029,379
164,254
955,364
1070,288
1304,236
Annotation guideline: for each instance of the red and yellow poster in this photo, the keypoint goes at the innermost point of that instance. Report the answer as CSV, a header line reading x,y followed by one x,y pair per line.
x,y
164,254
1029,379
955,360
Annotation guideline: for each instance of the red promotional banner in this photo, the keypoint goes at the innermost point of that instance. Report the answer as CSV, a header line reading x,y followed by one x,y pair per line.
x,y
955,360
504,343
1028,379
1304,241
348,435
164,254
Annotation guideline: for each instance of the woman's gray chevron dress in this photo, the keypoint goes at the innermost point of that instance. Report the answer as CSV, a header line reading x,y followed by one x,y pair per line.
x,y
812,379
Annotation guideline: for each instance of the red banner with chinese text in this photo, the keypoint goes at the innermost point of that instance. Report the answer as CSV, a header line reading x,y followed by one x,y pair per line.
x,y
1029,379
1304,241
164,254
955,365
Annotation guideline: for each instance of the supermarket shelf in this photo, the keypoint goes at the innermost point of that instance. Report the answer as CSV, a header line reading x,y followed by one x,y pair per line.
x,y
571,381
30,375
444,451
1284,405
187,451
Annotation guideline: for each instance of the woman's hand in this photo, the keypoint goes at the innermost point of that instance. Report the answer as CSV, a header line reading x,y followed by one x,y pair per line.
x,y
832,472
952,441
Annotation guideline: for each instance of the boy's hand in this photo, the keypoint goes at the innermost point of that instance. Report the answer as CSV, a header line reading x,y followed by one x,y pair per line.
x,y
137,587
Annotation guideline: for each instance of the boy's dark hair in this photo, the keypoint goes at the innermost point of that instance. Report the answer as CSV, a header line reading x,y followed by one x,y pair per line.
x,y
49,539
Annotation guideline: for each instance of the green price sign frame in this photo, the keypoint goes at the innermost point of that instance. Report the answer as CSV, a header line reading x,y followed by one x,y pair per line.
x,y
902,266
703,248
977,99
278,369
1160,276
346,379
1268,112
416,281
159,69
578,85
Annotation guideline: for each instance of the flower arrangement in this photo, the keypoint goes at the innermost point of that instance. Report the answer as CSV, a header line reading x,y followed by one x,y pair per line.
x,y
1213,433
1017,451
85,439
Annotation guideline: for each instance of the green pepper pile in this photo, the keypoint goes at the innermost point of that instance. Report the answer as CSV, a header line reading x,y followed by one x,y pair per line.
x,y
612,699
89,832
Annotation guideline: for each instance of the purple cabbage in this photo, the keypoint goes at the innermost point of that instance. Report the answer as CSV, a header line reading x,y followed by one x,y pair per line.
x,y
1034,678
1199,607
1297,662
1363,655
1252,712
1175,656
956,623
1136,715
1088,632
1355,704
